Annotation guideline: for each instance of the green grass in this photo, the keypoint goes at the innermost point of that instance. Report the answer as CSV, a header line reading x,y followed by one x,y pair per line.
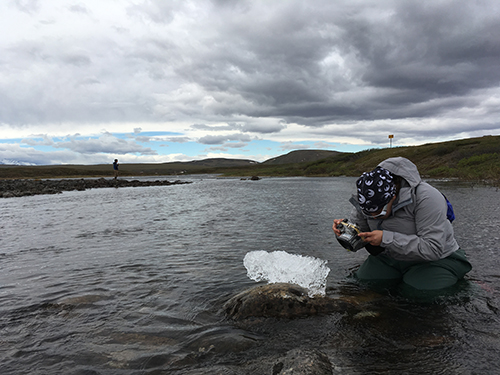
x,y
468,159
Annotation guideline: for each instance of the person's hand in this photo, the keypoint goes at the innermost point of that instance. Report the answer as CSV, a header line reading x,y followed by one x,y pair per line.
x,y
336,222
373,238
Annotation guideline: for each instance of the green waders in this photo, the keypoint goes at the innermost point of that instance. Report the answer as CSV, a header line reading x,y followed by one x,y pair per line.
x,y
432,275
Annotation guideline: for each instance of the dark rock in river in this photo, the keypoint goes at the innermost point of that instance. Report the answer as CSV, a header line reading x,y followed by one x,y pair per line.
x,y
19,188
303,362
280,300
293,362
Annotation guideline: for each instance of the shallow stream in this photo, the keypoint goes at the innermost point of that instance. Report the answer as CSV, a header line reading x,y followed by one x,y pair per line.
x,y
132,280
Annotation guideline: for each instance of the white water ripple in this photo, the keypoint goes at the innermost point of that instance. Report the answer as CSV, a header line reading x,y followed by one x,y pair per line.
x,y
282,267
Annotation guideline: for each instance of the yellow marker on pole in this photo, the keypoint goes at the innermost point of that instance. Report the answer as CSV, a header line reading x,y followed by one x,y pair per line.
x,y
390,138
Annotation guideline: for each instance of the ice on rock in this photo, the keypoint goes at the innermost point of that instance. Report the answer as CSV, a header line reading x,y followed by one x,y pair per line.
x,y
282,267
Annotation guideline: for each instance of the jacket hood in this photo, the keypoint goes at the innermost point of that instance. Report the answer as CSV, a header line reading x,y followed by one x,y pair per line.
x,y
404,168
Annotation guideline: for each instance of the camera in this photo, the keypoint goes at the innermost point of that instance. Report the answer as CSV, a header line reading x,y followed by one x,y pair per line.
x,y
349,238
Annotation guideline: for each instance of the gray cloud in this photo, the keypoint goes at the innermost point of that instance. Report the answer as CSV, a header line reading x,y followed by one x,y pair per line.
x,y
235,144
222,139
78,8
226,146
306,74
216,149
14,153
27,6
176,139
246,127
105,144
262,128
216,127
142,139
291,146
253,68
39,140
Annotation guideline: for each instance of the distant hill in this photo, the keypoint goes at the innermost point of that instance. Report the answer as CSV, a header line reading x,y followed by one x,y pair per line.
x,y
469,159
301,156
219,163
466,159
146,169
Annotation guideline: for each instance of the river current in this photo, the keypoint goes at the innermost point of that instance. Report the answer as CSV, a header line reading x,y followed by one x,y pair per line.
x,y
132,281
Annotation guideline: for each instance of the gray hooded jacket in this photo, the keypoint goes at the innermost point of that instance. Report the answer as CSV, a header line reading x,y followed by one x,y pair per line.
x,y
417,228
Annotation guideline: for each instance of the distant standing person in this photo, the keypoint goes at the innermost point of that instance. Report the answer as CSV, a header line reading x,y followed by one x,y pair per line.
x,y
115,168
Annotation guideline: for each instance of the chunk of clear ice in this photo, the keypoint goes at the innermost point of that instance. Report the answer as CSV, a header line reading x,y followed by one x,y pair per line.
x,y
282,267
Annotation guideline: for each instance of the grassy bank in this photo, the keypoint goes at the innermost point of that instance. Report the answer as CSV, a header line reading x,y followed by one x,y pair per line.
x,y
467,159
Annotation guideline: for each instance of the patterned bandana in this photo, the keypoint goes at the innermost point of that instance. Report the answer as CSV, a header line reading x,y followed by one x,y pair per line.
x,y
375,189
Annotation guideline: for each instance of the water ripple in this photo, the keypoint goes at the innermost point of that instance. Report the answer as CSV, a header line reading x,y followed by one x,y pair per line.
x,y
132,280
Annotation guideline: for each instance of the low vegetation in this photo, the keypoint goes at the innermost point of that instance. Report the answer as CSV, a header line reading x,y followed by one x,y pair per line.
x,y
466,159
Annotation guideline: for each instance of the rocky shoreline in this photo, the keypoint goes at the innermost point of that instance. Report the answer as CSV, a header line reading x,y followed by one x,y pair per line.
x,y
21,188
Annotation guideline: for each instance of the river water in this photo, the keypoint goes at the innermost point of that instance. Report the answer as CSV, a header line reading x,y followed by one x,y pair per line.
x,y
132,281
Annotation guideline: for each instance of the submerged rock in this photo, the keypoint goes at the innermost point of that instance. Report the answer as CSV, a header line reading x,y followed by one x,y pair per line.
x,y
281,300
303,362
293,362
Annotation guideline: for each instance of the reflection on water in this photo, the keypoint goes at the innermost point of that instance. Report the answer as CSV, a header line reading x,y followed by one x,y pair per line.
x,y
132,281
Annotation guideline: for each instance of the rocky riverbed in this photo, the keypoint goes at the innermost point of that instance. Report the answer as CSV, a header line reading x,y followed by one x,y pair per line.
x,y
21,187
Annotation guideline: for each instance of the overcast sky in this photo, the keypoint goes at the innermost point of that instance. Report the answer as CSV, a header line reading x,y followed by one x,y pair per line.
x,y
85,82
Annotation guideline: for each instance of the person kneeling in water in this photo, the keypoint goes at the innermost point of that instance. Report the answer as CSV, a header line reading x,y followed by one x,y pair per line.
x,y
404,222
